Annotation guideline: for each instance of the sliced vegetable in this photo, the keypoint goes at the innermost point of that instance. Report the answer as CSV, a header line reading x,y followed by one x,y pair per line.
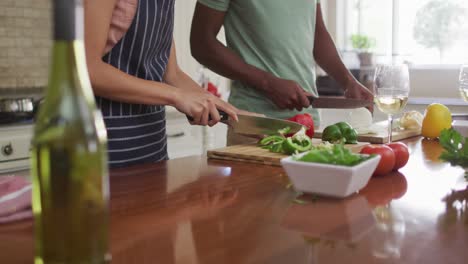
x,y
291,145
341,132
274,143
277,147
271,140
284,131
299,142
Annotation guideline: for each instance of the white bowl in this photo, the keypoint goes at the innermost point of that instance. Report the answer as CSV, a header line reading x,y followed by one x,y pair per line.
x,y
329,180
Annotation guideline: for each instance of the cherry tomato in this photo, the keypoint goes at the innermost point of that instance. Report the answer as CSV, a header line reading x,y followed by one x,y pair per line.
x,y
401,154
387,160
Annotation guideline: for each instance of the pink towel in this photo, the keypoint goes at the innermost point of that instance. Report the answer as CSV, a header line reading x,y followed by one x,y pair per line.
x,y
15,199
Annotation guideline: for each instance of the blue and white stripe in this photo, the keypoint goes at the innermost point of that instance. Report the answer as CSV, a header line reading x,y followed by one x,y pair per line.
x,y
137,132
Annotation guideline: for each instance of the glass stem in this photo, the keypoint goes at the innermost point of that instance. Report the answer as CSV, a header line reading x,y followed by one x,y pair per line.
x,y
390,125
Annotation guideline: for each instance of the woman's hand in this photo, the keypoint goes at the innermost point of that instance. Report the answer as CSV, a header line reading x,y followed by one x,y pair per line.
x,y
202,106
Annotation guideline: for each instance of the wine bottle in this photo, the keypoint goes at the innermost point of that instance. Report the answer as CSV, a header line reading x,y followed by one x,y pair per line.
x,y
69,157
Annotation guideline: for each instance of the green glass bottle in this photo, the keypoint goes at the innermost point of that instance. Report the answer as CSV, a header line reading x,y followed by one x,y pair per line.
x,y
69,154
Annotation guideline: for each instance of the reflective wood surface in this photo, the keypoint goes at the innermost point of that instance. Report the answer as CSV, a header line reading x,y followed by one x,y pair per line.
x,y
197,211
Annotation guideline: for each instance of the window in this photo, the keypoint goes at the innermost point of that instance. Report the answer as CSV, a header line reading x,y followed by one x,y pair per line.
x,y
421,32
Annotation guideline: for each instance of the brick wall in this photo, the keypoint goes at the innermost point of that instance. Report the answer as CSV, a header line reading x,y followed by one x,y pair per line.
x,y
25,41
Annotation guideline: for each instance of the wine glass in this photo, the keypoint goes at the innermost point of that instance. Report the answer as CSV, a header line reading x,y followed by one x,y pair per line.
x,y
464,82
391,90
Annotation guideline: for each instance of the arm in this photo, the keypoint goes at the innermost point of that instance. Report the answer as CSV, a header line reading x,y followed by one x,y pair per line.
x,y
176,77
107,80
327,57
112,83
210,52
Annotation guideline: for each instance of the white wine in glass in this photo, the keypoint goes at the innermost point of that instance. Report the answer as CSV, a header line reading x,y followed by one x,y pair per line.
x,y
464,82
391,104
391,91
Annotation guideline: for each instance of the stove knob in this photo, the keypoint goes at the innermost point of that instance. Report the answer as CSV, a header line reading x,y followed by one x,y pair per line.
x,y
7,150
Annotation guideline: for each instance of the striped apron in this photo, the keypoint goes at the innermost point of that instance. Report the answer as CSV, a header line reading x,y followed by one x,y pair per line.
x,y
137,132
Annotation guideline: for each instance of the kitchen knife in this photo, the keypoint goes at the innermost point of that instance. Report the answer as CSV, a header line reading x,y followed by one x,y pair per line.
x,y
256,125
337,102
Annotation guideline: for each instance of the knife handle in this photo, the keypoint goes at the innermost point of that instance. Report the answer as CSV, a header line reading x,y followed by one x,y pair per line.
x,y
311,98
224,117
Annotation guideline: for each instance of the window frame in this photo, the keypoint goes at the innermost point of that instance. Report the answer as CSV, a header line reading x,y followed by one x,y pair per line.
x,y
341,17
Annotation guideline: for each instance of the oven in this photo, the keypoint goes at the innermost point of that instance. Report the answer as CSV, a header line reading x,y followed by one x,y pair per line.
x,y
18,107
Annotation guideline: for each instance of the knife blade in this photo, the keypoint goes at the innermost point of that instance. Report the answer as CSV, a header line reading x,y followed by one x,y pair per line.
x,y
256,125
337,102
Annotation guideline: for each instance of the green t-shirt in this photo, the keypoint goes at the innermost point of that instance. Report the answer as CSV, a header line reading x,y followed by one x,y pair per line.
x,y
276,36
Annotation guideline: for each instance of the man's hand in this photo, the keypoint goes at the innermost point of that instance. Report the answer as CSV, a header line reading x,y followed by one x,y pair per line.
x,y
358,91
286,94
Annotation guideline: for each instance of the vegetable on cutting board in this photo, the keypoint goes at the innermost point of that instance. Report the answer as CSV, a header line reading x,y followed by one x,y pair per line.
x,y
297,143
341,132
411,120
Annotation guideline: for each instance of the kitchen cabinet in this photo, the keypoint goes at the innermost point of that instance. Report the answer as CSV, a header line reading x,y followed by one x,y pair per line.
x,y
185,140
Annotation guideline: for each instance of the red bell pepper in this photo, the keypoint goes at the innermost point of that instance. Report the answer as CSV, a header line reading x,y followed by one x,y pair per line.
x,y
213,89
305,120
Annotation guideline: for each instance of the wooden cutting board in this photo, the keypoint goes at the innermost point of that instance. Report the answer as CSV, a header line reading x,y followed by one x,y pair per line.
x,y
254,154
382,136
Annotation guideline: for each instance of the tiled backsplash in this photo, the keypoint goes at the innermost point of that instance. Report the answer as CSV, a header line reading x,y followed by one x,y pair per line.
x,y
25,40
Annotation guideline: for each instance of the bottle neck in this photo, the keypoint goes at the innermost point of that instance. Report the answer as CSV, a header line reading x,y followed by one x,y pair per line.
x,y
68,20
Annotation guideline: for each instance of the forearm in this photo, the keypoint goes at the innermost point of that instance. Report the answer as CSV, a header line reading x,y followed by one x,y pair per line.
x,y
328,58
181,80
109,82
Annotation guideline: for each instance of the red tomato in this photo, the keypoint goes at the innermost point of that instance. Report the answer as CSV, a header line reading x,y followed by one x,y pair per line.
x,y
401,154
305,120
387,160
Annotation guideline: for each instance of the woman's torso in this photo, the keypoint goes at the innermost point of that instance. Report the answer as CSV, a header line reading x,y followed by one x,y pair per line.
x,y
136,132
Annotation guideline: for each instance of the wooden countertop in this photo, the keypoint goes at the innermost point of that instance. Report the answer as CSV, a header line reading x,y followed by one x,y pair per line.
x,y
197,211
